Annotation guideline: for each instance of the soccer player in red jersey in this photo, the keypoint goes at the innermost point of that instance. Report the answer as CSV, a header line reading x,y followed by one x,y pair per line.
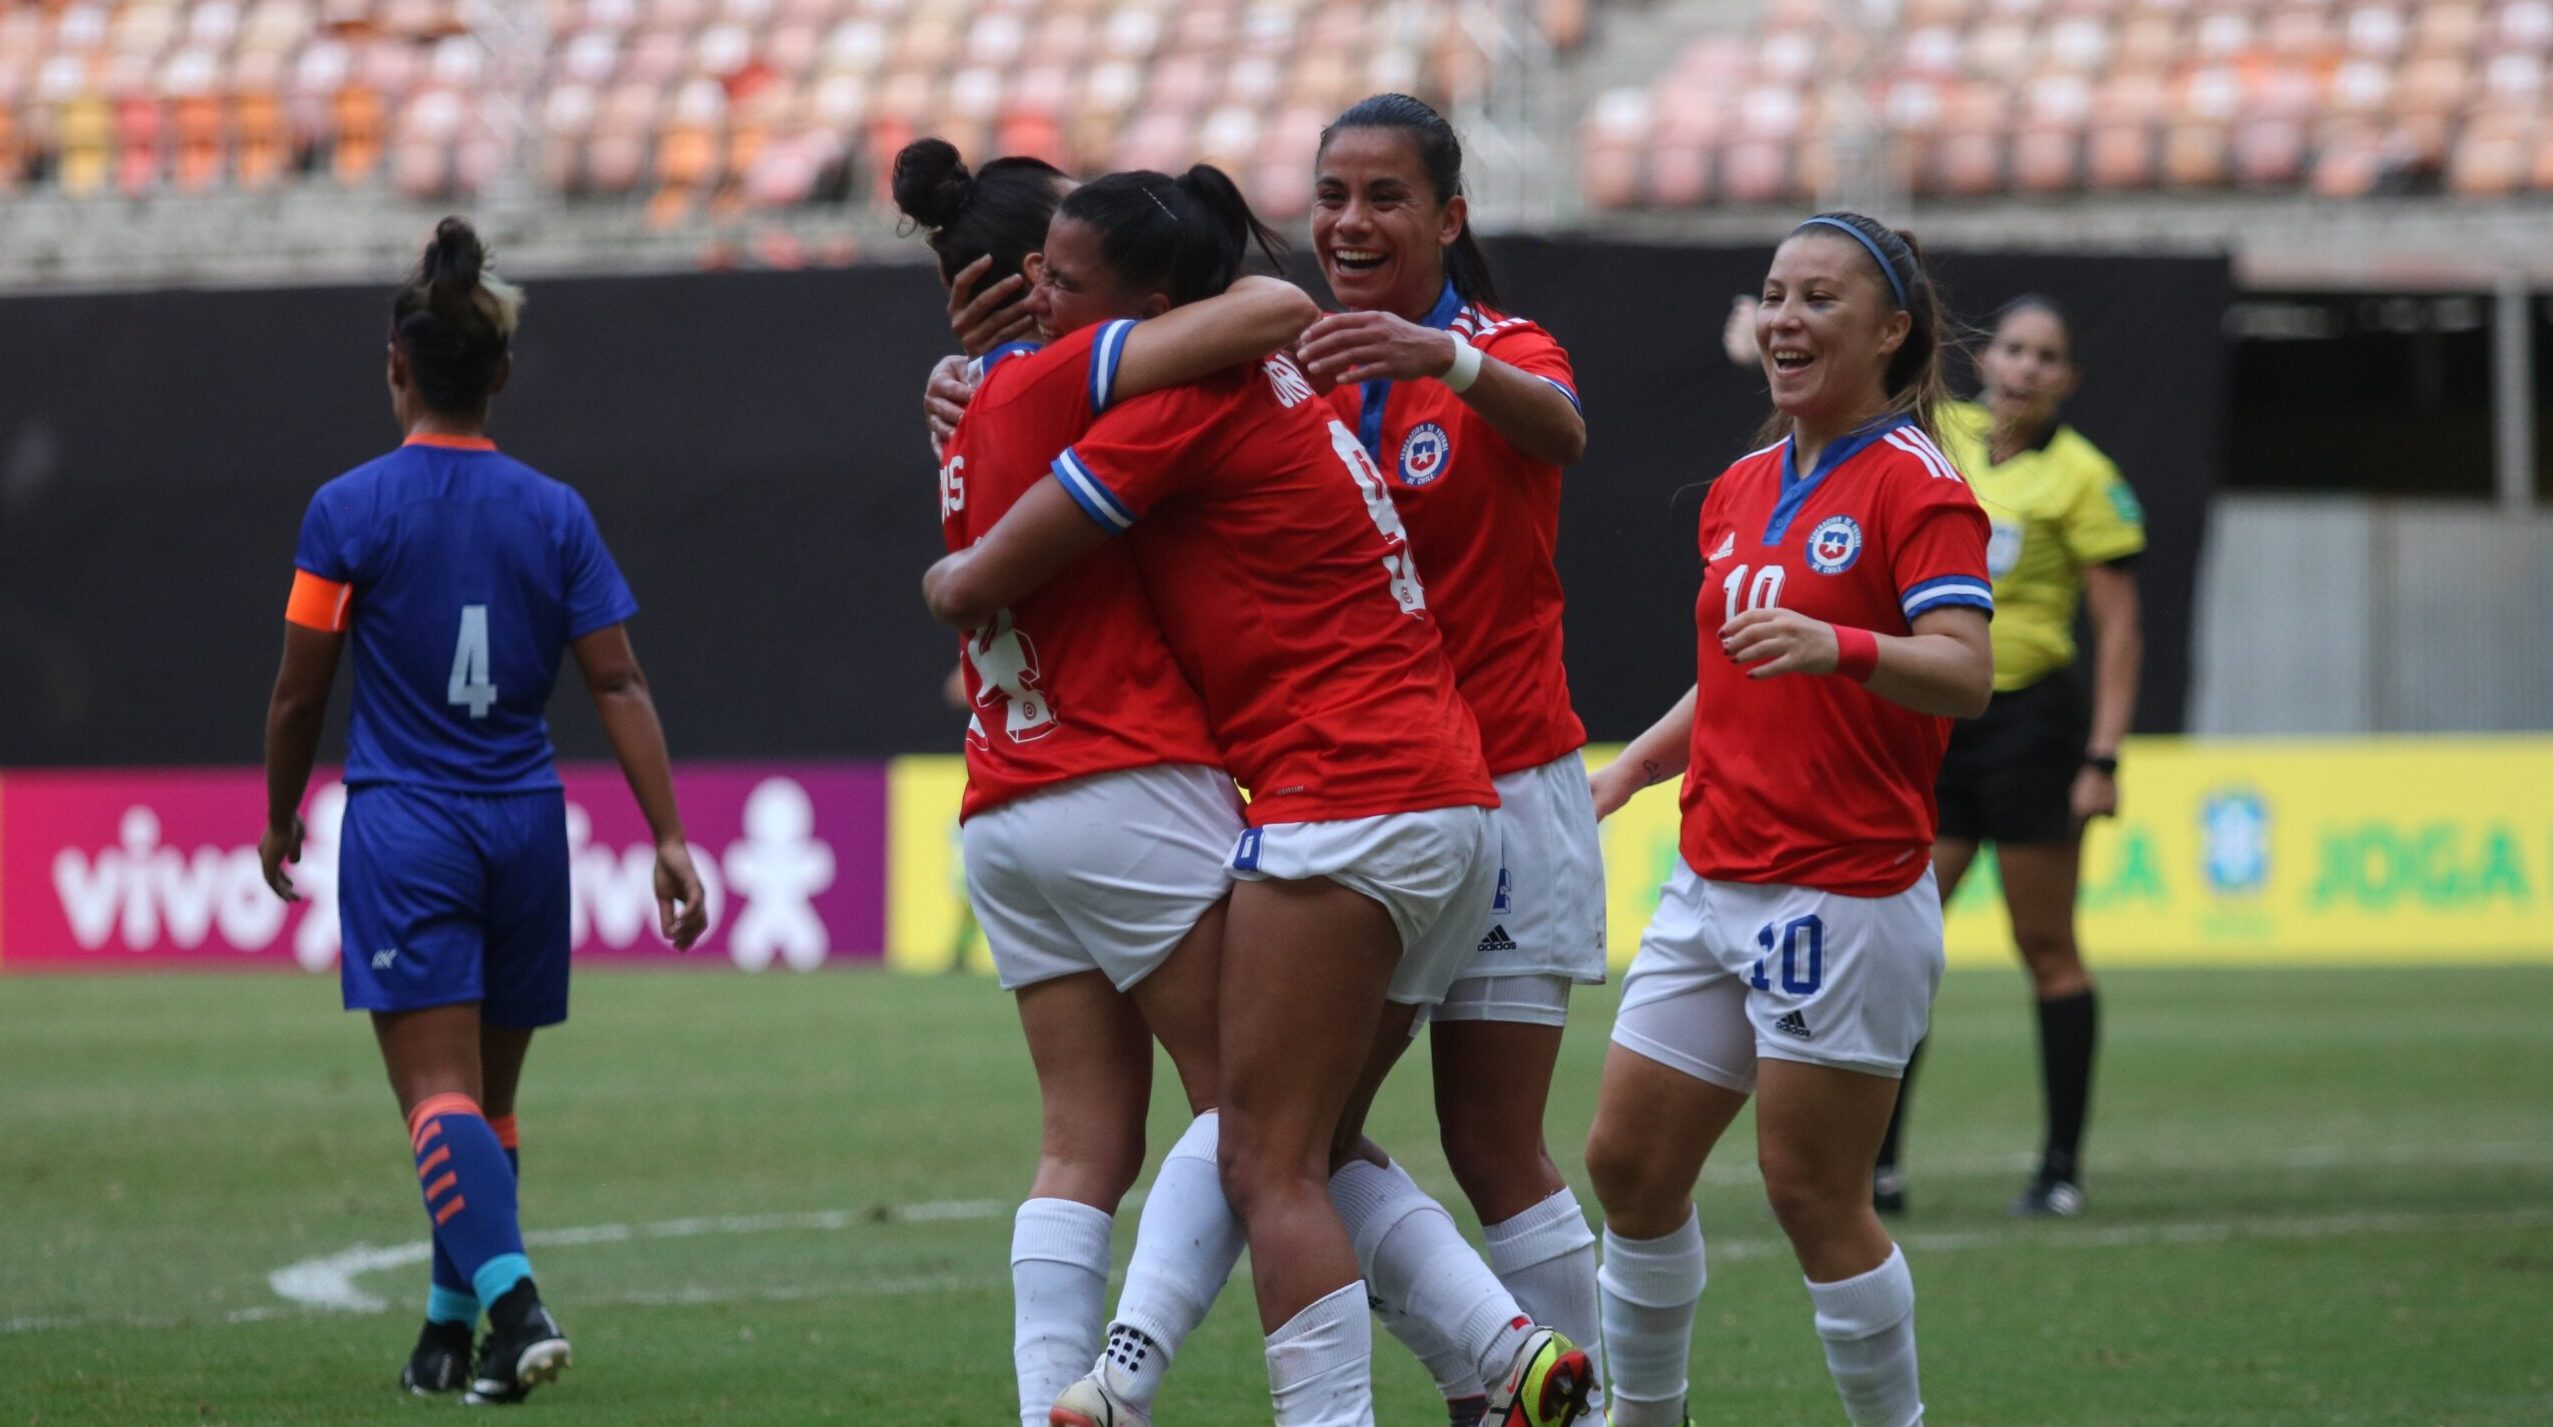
x,y
1097,816
1471,413
1796,951
460,575
1283,581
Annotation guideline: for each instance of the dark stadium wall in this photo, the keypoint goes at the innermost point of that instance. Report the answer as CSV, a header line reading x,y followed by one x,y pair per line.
x,y
751,446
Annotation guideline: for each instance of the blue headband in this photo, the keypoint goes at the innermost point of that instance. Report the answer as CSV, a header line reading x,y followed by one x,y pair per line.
x,y
1887,269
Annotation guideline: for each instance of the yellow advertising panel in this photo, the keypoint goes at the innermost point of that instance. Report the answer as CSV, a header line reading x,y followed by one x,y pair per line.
x,y
929,926
2405,850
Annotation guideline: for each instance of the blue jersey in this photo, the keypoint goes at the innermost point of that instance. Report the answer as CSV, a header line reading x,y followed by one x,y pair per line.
x,y
464,574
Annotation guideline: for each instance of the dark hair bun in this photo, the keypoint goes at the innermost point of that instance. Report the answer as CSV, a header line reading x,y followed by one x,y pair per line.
x,y
931,184
456,255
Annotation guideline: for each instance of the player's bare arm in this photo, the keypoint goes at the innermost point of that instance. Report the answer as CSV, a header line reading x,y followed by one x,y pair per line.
x,y
1036,540
1946,666
1655,756
1249,320
1348,347
628,712
293,717
2118,643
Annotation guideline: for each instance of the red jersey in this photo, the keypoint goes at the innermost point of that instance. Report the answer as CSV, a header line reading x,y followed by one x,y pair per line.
x,y
1075,679
1283,579
1484,521
1812,780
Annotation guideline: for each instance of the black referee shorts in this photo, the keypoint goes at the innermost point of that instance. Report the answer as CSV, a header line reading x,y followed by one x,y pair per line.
x,y
2009,775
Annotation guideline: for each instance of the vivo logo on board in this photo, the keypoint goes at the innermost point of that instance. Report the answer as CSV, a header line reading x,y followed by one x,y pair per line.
x,y
116,868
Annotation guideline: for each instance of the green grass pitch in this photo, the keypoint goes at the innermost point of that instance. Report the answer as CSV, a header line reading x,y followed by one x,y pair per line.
x,y
2319,1196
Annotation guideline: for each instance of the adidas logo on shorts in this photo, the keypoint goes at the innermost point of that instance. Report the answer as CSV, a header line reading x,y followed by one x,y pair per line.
x,y
1497,940
1793,1024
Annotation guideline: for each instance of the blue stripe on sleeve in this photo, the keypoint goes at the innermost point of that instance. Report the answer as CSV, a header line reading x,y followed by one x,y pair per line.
x,y
1973,591
1565,391
1096,500
1105,353
1001,354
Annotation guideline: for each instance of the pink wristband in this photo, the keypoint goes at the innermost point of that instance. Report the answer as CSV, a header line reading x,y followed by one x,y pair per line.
x,y
1856,652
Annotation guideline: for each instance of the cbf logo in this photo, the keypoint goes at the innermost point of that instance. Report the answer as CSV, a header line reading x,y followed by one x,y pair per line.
x,y
1834,545
2234,827
1424,454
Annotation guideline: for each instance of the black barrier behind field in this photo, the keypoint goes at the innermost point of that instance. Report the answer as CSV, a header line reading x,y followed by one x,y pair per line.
x,y
751,446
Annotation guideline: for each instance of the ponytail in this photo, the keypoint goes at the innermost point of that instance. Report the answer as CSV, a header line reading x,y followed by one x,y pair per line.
x,y
1440,158
1187,237
455,320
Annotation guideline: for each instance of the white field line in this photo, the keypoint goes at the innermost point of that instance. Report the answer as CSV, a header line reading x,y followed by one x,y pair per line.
x,y
326,1284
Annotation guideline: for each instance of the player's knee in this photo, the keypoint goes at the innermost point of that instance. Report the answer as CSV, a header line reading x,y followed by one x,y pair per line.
x,y
1809,1196
2054,960
1096,1163
1627,1176
1496,1159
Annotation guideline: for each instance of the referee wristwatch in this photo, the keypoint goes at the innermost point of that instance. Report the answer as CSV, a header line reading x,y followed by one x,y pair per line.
x,y
2106,764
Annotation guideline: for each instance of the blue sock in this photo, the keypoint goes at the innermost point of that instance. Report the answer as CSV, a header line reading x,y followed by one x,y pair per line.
x,y
469,1194
451,1299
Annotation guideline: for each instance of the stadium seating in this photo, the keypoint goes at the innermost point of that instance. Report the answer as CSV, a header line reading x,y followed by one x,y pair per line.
x,y
2041,98
689,106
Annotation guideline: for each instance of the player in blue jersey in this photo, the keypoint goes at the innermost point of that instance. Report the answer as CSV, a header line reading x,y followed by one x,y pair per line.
x,y
461,575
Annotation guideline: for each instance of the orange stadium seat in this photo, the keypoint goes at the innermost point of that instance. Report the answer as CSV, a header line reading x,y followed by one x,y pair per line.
x,y
356,123
140,133
202,142
2494,156
1678,176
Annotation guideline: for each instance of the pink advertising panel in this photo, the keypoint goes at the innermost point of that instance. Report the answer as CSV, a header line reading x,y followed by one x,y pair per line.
x,y
101,869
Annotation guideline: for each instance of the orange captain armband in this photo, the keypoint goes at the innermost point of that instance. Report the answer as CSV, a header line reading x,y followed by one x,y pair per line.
x,y
319,604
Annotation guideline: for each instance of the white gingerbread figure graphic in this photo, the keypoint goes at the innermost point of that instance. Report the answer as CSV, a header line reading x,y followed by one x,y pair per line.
x,y
1005,661
778,869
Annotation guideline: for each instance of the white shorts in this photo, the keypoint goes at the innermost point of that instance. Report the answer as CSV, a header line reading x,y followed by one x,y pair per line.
x,y
1435,872
1547,918
1105,873
1530,1000
1731,972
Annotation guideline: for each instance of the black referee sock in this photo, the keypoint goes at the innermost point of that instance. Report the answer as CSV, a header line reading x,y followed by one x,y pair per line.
x,y
1897,1118
2069,1026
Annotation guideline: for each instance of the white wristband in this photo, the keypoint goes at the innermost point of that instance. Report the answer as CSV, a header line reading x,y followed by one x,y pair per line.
x,y
1466,368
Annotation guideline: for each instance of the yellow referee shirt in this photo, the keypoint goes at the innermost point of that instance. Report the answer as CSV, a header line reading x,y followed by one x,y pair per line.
x,y
2057,508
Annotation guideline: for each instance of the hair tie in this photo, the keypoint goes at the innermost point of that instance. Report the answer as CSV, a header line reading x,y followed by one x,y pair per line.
x,y
1887,269
1157,203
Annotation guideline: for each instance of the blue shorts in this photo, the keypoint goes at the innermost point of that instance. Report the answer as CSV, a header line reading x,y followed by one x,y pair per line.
x,y
451,897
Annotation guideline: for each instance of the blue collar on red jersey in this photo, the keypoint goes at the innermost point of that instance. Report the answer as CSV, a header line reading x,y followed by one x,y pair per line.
x,y
1378,394
1796,488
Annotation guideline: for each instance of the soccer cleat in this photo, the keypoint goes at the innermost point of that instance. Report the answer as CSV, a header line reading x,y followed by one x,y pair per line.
x,y
1089,1403
2049,1197
1888,1190
1466,1411
1546,1386
525,1348
441,1360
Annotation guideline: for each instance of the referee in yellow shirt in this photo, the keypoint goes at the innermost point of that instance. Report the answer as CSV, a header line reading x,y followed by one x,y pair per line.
x,y
2044,758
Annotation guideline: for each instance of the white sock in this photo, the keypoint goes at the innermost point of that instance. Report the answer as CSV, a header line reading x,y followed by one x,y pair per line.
x,y
1547,1257
1868,1324
1416,1259
1321,1363
1059,1298
1185,1246
1447,1365
1651,1287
